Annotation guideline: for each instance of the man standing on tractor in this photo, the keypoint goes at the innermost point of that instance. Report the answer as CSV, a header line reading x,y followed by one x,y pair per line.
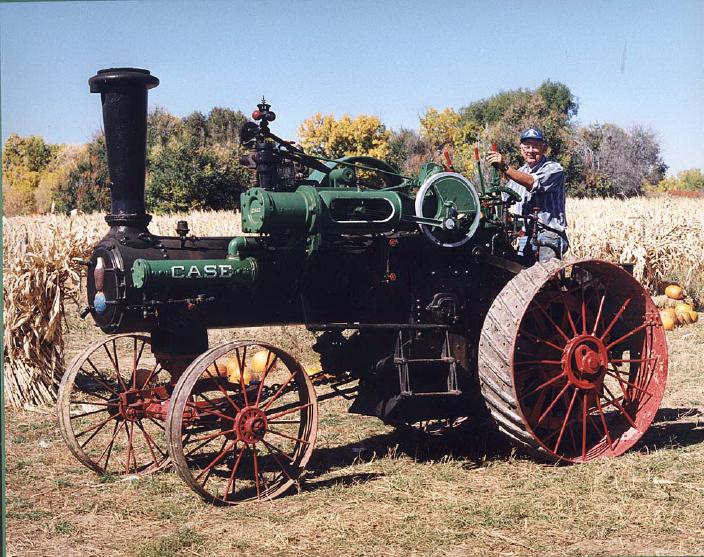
x,y
541,184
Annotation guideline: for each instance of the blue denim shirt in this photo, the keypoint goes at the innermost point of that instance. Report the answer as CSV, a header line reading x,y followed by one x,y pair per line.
x,y
548,194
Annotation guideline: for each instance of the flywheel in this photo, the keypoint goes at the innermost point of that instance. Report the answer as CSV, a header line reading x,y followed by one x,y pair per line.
x,y
573,360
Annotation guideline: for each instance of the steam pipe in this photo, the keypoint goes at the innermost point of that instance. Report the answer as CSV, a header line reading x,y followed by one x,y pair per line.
x,y
123,93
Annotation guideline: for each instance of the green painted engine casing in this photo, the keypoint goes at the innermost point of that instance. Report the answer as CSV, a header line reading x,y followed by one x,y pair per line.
x,y
310,210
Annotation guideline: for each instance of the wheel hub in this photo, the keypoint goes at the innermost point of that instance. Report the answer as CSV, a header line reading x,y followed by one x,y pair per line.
x,y
129,406
585,361
250,425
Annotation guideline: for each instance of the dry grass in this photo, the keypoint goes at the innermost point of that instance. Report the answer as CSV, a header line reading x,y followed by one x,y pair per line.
x,y
663,237
372,491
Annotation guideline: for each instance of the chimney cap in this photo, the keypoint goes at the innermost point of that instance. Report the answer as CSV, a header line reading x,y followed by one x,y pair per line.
x,y
122,77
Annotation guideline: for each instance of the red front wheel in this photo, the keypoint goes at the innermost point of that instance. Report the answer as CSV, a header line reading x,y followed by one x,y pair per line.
x,y
242,423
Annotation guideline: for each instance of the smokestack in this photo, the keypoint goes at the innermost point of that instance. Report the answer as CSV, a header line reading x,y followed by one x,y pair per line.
x,y
123,93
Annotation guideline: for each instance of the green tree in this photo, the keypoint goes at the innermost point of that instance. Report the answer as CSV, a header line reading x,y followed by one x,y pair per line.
x,y
86,185
193,163
691,180
24,161
501,118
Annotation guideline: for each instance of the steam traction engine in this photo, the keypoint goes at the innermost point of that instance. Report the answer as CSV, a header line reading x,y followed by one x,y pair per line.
x,y
414,290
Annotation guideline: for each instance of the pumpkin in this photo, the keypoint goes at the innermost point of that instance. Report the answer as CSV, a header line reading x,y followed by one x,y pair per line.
x,y
683,307
668,322
694,315
684,317
670,312
261,361
675,292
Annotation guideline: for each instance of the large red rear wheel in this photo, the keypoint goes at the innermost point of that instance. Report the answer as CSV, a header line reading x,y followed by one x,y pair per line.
x,y
573,360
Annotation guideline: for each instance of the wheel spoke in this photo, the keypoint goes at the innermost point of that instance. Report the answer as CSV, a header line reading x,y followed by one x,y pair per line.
x,y
276,458
151,375
73,401
98,426
550,319
598,313
534,338
241,364
289,411
148,441
116,368
564,423
277,393
622,381
108,448
281,452
224,449
209,436
621,408
287,436
205,409
568,313
74,416
266,372
547,411
99,377
533,362
615,319
603,422
546,383
584,425
627,335
231,479
255,461
221,388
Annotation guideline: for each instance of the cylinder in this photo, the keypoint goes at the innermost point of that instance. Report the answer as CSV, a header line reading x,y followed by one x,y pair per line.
x,y
192,274
123,93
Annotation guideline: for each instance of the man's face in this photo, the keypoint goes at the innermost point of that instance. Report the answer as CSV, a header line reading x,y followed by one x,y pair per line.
x,y
532,151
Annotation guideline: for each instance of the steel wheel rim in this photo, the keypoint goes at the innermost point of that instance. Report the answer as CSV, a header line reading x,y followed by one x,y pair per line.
x,y
232,440
585,326
109,403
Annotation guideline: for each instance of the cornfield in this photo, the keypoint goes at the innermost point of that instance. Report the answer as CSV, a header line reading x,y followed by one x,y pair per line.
x,y
662,237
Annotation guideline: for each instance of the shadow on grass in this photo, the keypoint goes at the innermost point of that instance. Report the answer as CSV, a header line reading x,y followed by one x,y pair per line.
x,y
474,442
671,428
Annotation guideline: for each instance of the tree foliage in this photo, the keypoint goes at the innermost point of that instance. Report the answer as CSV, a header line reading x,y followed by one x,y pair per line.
x,y
615,161
328,137
691,180
24,160
193,163
85,187
408,150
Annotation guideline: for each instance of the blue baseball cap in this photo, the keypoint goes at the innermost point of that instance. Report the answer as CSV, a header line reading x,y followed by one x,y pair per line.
x,y
532,133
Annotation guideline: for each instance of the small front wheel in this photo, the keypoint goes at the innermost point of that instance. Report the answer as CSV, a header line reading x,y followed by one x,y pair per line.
x,y
242,423
112,404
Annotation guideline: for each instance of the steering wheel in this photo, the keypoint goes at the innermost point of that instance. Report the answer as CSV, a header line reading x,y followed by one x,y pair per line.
x,y
448,210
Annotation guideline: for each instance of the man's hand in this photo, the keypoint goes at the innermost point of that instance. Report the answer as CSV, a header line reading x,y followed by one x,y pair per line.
x,y
496,159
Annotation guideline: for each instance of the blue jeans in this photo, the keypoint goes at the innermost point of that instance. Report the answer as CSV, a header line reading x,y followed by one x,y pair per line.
x,y
543,253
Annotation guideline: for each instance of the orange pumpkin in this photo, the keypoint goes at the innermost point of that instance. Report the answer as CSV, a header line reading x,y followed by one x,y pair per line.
x,y
675,292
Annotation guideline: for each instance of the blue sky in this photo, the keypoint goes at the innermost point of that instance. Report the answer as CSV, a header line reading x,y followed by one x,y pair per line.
x,y
627,62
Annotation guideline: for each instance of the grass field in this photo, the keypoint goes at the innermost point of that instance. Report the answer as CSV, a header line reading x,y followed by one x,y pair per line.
x,y
372,490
